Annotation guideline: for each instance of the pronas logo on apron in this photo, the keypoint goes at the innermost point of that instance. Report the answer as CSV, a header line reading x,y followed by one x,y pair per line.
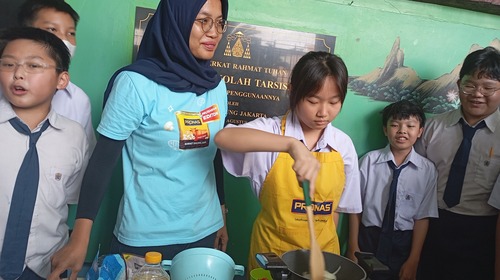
x,y
319,208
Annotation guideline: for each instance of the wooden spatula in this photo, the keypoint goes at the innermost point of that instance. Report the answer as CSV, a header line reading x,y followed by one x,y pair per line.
x,y
316,259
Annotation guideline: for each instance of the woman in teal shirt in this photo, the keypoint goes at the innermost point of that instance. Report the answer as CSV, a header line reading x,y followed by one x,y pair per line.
x,y
161,113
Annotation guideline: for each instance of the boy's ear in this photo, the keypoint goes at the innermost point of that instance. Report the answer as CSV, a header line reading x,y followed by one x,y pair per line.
x,y
420,131
385,130
63,80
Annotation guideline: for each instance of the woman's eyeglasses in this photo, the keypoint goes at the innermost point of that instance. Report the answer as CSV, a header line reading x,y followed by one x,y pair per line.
x,y
207,24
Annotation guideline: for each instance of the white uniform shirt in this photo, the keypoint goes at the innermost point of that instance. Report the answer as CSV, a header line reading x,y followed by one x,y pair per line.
x,y
63,155
416,191
74,104
495,195
255,166
439,143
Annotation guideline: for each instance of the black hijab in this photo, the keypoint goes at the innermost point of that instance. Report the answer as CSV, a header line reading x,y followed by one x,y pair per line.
x,y
164,55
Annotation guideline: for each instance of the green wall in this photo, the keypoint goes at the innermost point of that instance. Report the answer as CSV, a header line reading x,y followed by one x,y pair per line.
x,y
434,39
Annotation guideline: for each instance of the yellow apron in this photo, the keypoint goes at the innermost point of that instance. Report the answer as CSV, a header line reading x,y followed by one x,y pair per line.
x,y
281,224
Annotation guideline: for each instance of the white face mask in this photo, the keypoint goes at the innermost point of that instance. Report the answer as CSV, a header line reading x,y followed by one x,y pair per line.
x,y
70,47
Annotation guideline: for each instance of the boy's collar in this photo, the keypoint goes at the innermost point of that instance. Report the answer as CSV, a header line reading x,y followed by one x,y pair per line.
x,y
6,111
492,121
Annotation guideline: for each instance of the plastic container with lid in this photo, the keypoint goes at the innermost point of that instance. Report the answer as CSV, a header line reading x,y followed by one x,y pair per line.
x,y
152,269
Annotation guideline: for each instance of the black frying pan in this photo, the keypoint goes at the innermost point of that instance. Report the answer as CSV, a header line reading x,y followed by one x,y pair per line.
x,y
293,265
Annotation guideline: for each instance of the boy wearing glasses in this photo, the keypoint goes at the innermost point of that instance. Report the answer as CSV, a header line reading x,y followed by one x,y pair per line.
x,y
464,144
42,153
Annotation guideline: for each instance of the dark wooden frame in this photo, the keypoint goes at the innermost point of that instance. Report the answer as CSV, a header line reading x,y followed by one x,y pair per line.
x,y
484,6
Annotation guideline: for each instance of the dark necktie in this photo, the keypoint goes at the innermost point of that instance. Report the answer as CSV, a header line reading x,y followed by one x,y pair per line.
x,y
385,242
21,206
457,171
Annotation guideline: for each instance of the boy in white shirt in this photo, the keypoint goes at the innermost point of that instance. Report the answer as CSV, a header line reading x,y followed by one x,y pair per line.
x,y
398,190
464,144
43,154
60,18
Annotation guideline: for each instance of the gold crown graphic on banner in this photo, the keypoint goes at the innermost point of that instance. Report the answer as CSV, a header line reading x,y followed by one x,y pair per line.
x,y
237,49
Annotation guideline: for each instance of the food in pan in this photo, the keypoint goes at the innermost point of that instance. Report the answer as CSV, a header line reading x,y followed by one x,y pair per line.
x,y
327,276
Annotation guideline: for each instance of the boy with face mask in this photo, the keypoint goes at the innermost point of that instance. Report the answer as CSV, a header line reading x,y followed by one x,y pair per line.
x,y
59,18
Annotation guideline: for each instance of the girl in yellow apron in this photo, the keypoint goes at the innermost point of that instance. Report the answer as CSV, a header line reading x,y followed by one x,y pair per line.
x,y
276,153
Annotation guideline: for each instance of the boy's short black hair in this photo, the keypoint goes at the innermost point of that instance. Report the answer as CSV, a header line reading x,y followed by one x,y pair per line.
x,y
485,63
28,11
310,72
55,47
403,110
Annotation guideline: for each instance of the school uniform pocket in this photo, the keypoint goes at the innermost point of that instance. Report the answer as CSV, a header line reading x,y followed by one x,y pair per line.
x,y
407,208
53,189
487,171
